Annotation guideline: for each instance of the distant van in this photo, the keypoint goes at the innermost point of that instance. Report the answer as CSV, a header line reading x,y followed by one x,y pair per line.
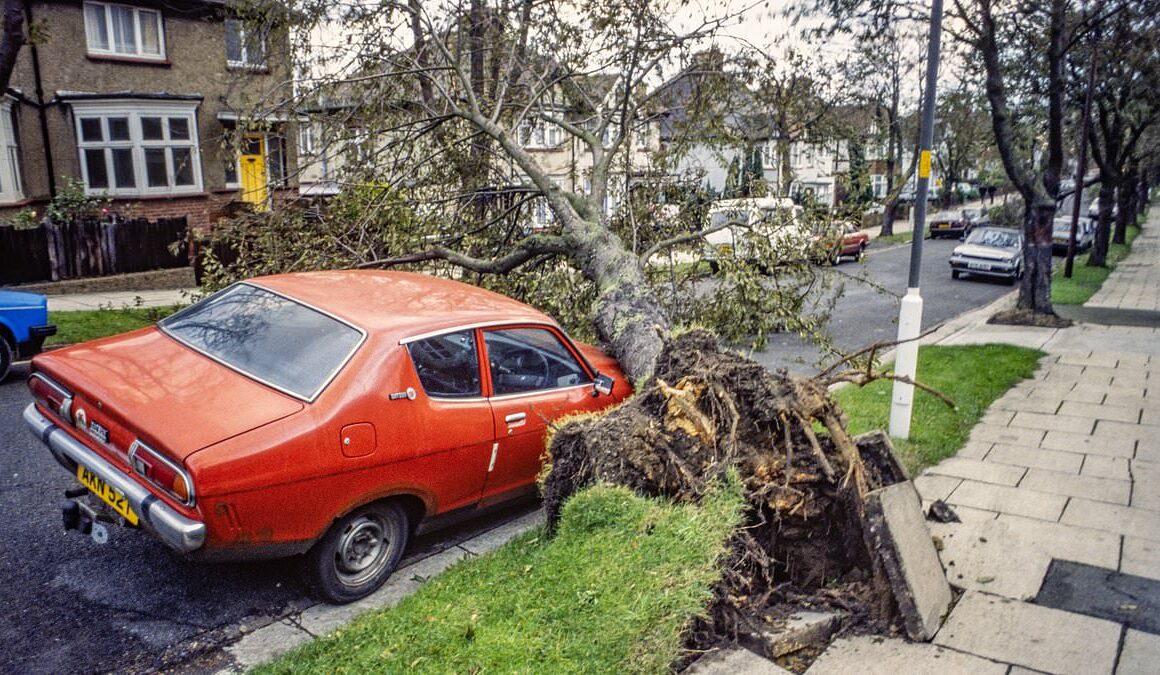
x,y
776,220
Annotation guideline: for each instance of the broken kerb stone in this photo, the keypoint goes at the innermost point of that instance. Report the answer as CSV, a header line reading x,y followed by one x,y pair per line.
x,y
903,542
800,630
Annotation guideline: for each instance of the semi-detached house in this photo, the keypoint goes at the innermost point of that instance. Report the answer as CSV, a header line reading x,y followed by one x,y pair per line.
x,y
168,108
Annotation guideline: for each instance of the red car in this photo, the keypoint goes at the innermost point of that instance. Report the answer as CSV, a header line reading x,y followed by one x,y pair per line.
x,y
840,240
332,414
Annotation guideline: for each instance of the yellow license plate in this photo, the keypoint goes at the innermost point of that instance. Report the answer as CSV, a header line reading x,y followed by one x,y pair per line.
x,y
108,494
725,249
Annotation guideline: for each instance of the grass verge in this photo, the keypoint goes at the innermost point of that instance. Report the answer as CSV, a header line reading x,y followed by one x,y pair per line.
x,y
1085,281
611,593
79,326
890,240
972,375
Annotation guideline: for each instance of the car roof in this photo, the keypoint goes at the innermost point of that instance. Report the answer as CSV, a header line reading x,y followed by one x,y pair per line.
x,y
399,305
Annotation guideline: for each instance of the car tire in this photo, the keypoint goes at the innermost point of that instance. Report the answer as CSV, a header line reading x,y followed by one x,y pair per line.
x,y
714,266
955,274
5,358
836,257
861,255
358,553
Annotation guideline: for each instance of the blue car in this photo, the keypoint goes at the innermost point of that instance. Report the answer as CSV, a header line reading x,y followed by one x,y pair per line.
x,y
23,327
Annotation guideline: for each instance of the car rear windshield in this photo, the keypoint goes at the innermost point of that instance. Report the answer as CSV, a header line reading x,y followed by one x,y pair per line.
x,y
268,337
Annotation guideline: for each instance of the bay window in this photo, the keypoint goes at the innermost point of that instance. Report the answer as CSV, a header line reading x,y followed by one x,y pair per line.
x,y
11,189
122,30
131,150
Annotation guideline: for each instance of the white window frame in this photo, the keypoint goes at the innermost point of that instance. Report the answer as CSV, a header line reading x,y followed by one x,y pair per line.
x,y
11,187
134,110
244,35
106,10
538,134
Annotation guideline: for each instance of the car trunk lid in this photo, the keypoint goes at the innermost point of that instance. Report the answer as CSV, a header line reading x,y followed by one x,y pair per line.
x,y
145,384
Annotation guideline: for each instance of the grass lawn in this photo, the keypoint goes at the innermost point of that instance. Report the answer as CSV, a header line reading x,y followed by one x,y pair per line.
x,y
611,593
80,326
1085,281
900,238
972,375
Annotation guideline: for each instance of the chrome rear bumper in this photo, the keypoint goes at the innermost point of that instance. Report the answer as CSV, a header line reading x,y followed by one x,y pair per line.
x,y
178,532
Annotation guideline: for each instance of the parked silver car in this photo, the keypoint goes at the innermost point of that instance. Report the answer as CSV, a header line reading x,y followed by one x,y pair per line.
x,y
1085,234
990,252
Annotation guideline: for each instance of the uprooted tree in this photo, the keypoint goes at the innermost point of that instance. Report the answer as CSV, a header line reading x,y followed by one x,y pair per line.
x,y
445,116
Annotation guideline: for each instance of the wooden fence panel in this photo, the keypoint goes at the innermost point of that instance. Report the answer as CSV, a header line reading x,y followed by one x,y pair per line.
x,y
89,247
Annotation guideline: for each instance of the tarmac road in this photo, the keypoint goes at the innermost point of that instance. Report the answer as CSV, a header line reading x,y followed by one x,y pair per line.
x,y
867,312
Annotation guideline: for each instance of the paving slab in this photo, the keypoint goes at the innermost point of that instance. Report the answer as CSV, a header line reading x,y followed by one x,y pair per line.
x,y
732,661
1038,404
987,556
870,655
1140,557
1089,445
1003,499
1146,489
973,469
932,487
1126,520
904,544
1029,420
1104,411
1086,394
802,629
1106,467
1037,458
1102,359
1040,638
1067,542
996,434
1089,487
974,450
267,643
1140,654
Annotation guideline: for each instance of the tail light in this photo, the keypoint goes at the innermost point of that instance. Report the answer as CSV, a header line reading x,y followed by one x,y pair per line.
x,y
51,396
162,472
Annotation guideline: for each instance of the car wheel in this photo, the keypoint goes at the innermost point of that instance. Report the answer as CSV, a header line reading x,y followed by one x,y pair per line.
x,y
5,358
955,274
714,266
836,257
358,553
861,256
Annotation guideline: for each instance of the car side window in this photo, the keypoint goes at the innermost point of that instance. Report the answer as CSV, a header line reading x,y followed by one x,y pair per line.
x,y
530,359
448,365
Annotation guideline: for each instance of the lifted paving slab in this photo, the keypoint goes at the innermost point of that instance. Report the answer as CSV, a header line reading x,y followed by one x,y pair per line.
x,y
732,661
868,655
1040,638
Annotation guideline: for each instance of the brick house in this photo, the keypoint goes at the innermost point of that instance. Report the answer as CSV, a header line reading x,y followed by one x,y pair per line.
x,y
161,106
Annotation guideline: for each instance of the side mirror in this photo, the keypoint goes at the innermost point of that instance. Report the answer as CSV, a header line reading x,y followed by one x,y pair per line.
x,y
602,385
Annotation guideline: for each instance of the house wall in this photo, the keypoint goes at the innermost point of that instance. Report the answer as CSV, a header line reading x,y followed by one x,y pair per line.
x,y
195,65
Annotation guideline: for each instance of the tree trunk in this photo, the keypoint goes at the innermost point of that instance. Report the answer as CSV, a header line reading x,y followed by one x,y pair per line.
x,y
889,214
1035,290
1127,215
1099,254
628,317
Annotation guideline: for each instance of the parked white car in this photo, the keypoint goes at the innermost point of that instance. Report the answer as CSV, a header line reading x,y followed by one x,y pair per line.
x,y
742,228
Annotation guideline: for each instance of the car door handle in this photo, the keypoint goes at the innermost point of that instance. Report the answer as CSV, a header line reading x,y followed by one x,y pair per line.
x,y
515,417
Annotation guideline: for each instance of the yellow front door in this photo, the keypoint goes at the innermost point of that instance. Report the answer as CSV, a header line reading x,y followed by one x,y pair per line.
x,y
253,171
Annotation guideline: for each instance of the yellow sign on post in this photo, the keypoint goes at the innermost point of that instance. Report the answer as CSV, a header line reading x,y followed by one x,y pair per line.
x,y
924,164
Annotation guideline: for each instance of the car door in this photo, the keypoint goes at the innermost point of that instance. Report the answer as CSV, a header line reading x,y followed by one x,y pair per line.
x,y
456,435
535,377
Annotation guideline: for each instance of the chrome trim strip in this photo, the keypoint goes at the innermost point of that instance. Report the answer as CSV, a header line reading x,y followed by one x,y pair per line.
x,y
480,324
325,383
522,394
67,397
173,466
175,530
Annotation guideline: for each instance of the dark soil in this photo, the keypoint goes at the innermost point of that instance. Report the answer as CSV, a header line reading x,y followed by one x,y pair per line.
x,y
1025,317
180,277
708,412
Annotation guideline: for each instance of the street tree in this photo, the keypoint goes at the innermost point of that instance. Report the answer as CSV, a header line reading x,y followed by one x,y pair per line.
x,y
1126,103
460,108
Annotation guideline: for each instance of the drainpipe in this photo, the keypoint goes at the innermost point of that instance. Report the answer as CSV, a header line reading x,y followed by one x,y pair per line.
x,y
41,108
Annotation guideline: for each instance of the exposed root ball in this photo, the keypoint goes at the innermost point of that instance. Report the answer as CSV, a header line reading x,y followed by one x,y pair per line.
x,y
707,411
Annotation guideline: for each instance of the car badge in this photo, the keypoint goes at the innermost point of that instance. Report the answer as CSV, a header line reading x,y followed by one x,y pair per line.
x,y
399,395
80,418
98,432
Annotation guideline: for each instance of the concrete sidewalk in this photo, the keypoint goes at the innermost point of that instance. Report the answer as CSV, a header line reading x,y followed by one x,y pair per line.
x,y
121,299
1058,490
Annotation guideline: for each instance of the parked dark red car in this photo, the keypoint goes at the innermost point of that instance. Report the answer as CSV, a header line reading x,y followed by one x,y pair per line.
x,y
330,414
841,240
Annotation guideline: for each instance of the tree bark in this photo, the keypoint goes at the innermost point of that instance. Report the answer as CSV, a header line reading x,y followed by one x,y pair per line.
x,y
11,40
1099,253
